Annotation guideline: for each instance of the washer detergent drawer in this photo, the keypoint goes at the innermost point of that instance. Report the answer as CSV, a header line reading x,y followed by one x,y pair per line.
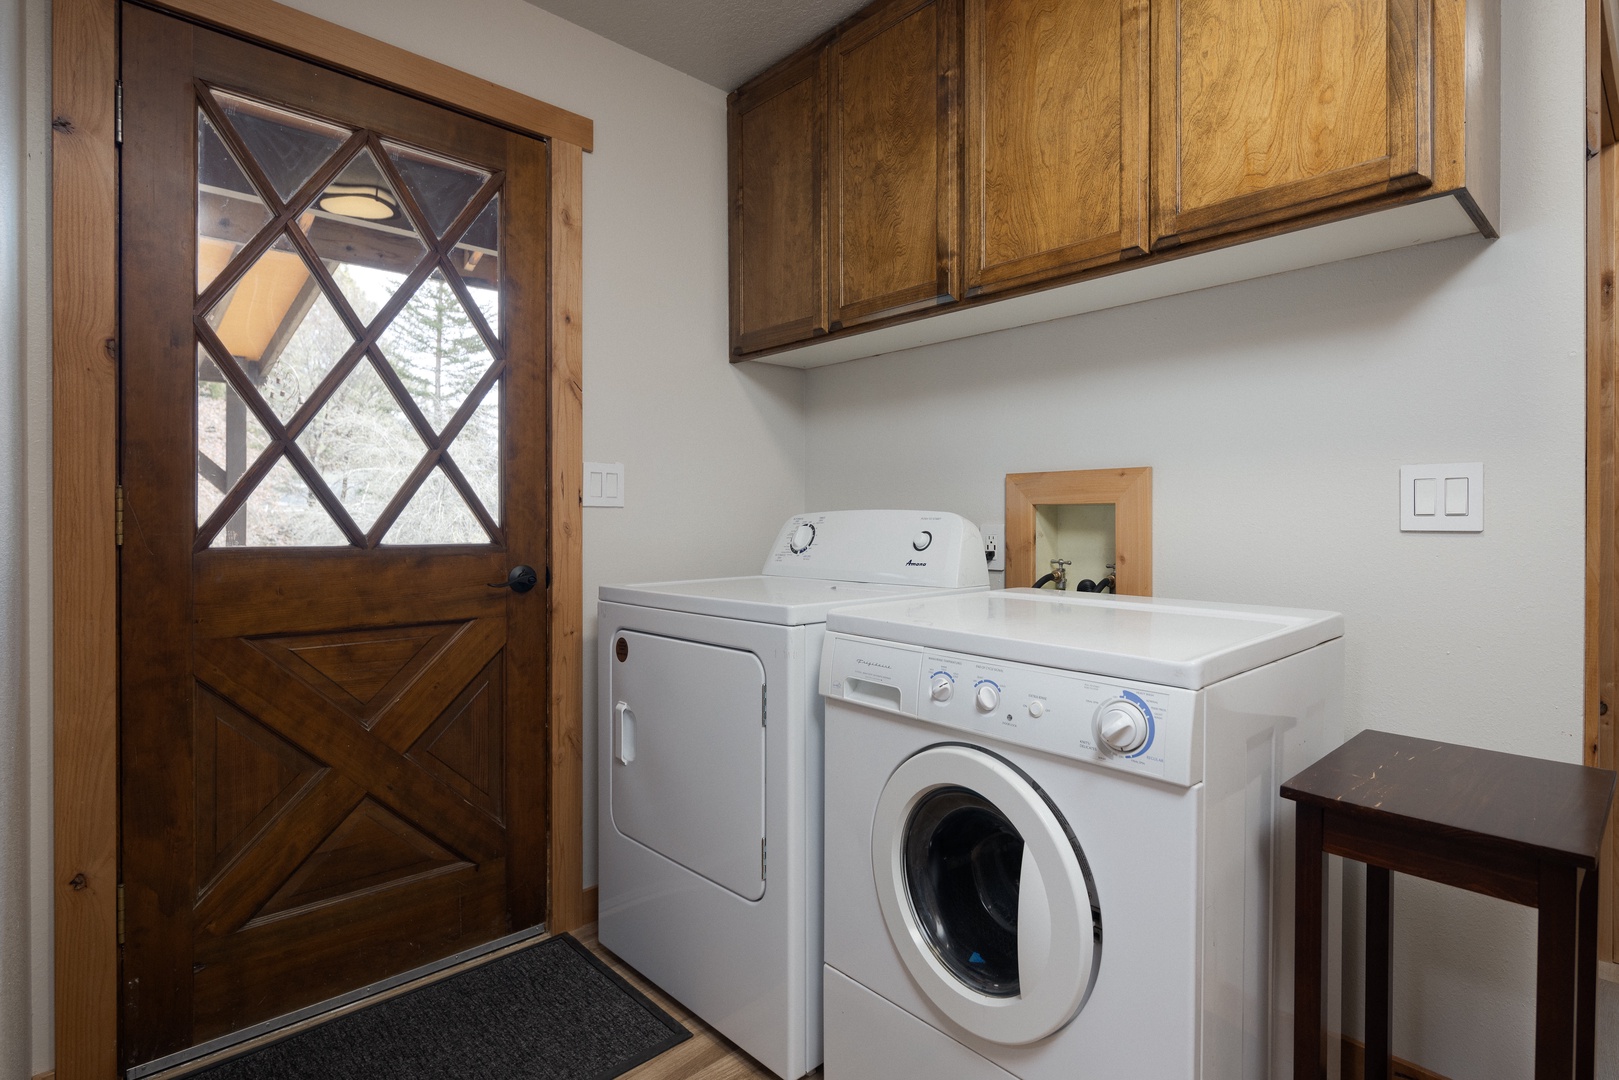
x,y
688,779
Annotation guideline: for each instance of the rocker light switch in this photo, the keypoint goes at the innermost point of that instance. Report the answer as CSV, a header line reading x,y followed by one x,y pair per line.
x,y
1442,498
604,484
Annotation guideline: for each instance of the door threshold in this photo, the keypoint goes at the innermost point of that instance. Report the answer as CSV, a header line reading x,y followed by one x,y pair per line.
x,y
225,1047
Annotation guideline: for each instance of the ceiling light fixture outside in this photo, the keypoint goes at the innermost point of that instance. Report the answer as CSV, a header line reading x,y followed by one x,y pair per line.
x,y
364,201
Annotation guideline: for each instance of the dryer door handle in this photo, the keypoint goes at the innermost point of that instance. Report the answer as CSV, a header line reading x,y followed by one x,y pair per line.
x,y
1033,925
623,733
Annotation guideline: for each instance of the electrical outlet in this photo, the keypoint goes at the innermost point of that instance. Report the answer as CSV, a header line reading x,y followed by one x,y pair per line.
x,y
995,545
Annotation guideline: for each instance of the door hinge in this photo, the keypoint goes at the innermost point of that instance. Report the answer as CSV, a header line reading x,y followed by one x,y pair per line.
x,y
118,114
764,863
118,516
764,699
120,913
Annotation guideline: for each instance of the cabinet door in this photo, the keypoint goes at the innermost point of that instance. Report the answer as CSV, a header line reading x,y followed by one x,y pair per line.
x,y
893,194
1057,133
778,241
1266,110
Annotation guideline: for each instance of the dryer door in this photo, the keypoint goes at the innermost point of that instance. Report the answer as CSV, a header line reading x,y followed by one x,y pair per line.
x,y
688,768
986,894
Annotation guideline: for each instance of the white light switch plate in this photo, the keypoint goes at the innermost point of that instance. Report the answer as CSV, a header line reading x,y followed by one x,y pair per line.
x,y
604,484
995,540
1442,498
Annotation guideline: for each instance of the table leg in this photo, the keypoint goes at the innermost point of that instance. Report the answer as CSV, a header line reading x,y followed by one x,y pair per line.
x,y
1309,947
1585,994
1554,979
1379,972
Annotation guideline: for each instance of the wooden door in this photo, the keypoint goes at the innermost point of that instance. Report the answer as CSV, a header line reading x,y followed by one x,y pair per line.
x,y
1266,110
778,237
333,734
893,186
1056,138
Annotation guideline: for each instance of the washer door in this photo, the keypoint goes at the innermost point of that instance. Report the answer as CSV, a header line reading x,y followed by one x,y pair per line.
x,y
986,894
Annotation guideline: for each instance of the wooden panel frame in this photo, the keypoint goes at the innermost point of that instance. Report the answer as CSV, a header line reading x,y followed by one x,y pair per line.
x,y
1602,433
1128,490
84,230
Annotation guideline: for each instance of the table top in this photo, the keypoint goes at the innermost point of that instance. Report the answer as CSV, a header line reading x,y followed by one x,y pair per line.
x,y
1551,809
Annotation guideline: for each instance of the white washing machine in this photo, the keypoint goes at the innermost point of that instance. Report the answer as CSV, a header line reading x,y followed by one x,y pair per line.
x,y
709,774
1054,844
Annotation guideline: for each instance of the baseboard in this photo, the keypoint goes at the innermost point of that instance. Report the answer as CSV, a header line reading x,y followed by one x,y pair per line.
x,y
1354,1065
46,1075
588,906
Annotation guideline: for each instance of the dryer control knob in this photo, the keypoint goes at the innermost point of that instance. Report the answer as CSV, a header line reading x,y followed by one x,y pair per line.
x,y
988,697
1122,727
921,540
943,688
803,537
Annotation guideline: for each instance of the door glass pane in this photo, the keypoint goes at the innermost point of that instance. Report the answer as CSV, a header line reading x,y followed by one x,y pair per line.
x,y
362,444
229,439
477,259
230,209
436,514
963,863
435,347
288,146
281,328
441,187
476,451
363,234
283,512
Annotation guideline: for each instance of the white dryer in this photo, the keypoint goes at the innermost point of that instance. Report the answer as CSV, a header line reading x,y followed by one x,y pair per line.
x,y
710,766
1054,844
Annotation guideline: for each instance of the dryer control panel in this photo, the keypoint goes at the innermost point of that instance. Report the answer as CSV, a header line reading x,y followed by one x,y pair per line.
x,y
1132,727
900,547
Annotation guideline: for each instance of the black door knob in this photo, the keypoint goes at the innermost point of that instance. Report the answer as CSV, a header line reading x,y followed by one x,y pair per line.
x,y
520,580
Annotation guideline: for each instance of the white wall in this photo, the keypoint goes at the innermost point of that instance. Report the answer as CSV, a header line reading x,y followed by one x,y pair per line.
x,y
1275,415
713,453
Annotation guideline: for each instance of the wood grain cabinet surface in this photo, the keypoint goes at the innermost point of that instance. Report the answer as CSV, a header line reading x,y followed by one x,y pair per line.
x,y
1056,128
935,169
778,238
1269,109
893,192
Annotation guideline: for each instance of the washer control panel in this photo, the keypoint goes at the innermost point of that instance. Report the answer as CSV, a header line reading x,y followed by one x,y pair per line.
x,y
1110,723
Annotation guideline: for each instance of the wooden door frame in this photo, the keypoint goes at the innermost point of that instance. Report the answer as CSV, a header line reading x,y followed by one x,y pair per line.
x,y
84,417
1602,426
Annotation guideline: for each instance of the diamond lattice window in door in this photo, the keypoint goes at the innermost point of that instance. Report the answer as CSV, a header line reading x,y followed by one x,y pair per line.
x,y
442,188
359,227
230,209
362,444
287,147
436,514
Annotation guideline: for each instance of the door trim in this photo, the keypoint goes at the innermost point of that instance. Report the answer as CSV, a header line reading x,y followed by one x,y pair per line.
x,y
84,418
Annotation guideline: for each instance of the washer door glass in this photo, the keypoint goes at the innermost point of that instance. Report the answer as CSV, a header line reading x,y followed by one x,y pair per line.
x,y
985,893
963,863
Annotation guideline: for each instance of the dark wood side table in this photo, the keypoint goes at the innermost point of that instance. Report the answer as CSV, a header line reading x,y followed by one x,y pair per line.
x,y
1518,828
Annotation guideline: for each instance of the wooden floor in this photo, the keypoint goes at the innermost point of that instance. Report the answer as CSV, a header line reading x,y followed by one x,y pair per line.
x,y
705,1056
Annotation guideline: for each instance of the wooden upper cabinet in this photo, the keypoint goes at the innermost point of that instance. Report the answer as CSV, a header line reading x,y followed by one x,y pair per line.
x,y
1056,137
778,237
894,191
1266,110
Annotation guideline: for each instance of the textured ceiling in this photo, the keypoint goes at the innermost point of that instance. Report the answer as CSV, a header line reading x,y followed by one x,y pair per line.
x,y
721,42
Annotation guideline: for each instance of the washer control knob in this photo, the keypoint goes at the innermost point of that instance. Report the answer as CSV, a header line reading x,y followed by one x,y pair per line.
x,y
1036,710
943,688
1122,726
921,540
988,697
803,537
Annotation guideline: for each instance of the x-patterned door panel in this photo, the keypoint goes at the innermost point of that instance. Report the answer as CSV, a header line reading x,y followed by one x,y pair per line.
x,y
333,759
